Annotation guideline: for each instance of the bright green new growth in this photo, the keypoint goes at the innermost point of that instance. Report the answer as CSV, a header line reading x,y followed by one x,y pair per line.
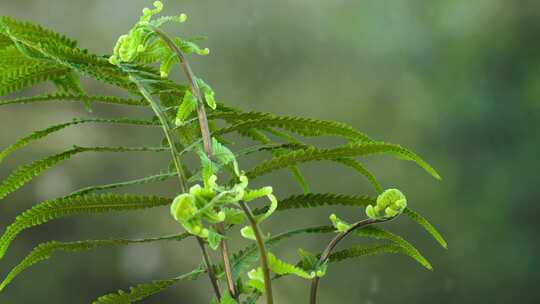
x,y
390,203
213,196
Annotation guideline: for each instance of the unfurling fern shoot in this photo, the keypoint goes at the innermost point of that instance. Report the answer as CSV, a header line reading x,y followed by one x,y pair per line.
x,y
214,195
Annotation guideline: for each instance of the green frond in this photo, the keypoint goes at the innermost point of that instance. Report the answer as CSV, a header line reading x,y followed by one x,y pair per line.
x,y
24,141
56,49
91,65
280,267
141,181
243,259
45,251
21,76
145,290
361,251
302,126
257,135
26,31
75,98
22,175
75,205
420,220
351,150
11,57
314,200
300,179
5,41
381,234
69,83
360,168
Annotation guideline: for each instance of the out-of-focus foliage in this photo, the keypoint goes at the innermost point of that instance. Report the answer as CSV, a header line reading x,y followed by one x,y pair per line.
x,y
459,81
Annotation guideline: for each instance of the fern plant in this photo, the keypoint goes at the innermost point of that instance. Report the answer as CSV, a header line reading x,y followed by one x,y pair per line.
x,y
214,194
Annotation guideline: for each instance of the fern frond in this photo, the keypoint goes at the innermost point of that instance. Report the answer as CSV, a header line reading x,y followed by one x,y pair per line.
x,y
381,234
257,135
280,267
360,168
18,77
45,251
24,141
243,259
302,126
31,32
22,175
420,220
314,200
75,98
145,290
5,41
55,48
141,181
351,150
91,65
360,251
11,57
75,205
69,83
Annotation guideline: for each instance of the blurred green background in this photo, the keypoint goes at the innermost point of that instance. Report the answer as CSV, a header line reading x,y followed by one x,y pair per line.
x,y
456,81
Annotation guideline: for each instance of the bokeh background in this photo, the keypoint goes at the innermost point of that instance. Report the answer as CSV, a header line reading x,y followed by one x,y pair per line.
x,y
456,81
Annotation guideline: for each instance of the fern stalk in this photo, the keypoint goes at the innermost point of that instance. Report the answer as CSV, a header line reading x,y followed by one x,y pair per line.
x,y
207,142
262,252
175,153
330,247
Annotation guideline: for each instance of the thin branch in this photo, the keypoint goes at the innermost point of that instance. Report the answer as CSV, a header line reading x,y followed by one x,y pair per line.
x,y
330,247
262,252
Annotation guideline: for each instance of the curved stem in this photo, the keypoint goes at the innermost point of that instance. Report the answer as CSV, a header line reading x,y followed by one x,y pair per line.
x,y
176,152
192,82
224,248
207,139
208,262
262,252
330,247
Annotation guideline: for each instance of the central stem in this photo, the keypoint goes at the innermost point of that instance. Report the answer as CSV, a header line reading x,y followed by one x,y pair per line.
x,y
207,142
175,151
330,247
262,252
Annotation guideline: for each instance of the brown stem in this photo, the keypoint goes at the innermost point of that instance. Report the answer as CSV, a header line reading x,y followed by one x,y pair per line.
x,y
192,82
227,263
262,252
328,251
205,134
211,274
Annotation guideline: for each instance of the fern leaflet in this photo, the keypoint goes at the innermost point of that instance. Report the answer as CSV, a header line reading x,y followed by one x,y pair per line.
x,y
45,251
22,175
145,290
360,251
301,126
410,250
420,220
74,205
75,98
45,132
314,200
351,150
145,180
